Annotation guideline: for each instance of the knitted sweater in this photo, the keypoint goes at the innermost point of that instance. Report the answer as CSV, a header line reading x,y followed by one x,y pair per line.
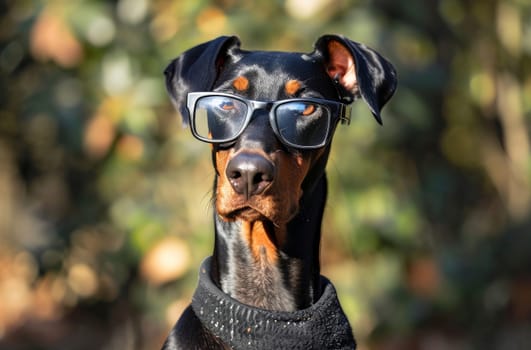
x,y
323,325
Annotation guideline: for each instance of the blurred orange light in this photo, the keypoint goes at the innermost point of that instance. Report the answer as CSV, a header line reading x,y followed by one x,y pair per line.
x,y
51,39
131,147
99,135
167,260
211,20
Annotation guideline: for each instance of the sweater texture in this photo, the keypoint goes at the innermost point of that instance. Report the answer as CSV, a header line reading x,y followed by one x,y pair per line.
x,y
323,325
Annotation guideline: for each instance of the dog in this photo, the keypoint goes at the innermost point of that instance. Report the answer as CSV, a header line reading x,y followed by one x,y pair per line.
x,y
270,117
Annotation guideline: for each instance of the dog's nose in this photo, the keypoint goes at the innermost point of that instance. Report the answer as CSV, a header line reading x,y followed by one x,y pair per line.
x,y
250,174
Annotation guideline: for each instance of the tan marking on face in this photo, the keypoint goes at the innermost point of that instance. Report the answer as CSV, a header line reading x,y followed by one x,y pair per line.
x,y
292,170
279,203
292,86
241,83
224,191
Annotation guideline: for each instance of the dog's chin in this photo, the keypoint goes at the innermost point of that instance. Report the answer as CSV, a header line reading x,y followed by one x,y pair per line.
x,y
250,214
246,214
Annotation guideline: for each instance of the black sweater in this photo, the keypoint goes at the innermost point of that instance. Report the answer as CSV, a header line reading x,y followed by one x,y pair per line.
x,y
321,326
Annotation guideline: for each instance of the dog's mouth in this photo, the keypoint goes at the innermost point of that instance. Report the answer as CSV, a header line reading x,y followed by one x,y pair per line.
x,y
252,212
277,203
246,213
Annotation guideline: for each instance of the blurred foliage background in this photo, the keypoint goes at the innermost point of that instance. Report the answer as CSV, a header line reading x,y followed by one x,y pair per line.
x,y
105,209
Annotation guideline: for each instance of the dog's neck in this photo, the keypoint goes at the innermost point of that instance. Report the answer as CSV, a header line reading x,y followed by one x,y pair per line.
x,y
270,267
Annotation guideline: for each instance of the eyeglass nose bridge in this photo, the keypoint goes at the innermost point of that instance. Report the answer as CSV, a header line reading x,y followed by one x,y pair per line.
x,y
260,108
259,128
260,105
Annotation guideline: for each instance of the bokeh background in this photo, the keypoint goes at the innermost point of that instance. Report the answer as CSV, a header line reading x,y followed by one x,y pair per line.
x,y
105,199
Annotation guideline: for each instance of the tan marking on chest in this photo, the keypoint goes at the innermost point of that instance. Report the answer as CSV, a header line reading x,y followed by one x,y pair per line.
x,y
259,241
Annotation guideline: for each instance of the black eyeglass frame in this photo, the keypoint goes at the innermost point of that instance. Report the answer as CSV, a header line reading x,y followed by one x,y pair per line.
x,y
338,111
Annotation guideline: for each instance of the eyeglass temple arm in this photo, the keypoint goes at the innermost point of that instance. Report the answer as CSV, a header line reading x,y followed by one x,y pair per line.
x,y
345,114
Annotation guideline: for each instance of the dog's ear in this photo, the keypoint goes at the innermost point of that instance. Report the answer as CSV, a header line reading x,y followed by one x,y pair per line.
x,y
197,70
359,71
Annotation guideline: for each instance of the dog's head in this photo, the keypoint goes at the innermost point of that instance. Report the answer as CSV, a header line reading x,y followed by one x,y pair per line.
x,y
271,115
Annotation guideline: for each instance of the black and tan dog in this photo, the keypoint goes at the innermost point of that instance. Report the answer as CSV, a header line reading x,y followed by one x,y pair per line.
x,y
270,117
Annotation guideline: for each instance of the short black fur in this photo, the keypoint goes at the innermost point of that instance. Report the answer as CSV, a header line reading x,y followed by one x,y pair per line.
x,y
263,259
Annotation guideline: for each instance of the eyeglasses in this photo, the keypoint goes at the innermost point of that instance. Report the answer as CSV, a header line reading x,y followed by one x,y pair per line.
x,y
304,123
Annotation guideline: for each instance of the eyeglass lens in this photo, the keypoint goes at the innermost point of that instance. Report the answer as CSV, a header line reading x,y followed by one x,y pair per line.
x,y
302,123
219,118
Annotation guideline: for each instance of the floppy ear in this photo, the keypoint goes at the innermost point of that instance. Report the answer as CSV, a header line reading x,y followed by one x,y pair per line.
x,y
197,70
359,70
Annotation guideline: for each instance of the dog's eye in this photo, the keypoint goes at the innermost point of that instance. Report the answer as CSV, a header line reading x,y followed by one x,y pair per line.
x,y
226,105
308,110
300,109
